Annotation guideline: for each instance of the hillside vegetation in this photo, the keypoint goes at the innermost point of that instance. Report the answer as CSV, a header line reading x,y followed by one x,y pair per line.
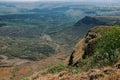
x,y
26,48
102,48
95,57
99,48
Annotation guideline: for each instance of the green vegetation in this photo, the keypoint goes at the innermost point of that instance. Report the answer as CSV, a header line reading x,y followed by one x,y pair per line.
x,y
107,49
27,79
27,48
6,79
56,68
73,70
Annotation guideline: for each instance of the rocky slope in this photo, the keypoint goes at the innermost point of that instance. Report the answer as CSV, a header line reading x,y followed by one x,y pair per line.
x,y
99,40
98,54
95,57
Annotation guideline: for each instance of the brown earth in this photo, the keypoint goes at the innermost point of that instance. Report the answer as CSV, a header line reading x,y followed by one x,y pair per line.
x,y
17,69
6,72
107,73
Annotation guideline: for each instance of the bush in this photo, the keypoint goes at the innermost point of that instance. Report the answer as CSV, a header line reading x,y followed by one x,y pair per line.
x,y
56,68
107,48
105,58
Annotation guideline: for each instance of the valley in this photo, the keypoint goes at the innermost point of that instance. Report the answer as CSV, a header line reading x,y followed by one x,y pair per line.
x,y
37,39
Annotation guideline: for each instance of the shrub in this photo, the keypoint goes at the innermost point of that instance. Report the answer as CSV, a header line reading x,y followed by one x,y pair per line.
x,y
56,68
107,48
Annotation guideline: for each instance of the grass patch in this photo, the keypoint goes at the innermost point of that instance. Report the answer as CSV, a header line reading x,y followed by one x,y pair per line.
x,y
56,68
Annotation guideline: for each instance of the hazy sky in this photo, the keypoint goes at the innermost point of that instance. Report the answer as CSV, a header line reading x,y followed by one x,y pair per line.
x,y
38,0
65,0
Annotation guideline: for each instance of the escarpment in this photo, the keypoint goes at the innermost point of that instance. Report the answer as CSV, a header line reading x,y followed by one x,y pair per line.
x,y
92,46
84,48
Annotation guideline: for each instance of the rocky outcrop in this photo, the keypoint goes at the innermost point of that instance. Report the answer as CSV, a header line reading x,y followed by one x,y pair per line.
x,y
85,47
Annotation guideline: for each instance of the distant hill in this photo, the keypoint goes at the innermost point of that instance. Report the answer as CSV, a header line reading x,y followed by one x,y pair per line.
x,y
72,34
33,41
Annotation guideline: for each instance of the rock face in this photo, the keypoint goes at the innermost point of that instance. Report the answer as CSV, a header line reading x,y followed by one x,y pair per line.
x,y
84,48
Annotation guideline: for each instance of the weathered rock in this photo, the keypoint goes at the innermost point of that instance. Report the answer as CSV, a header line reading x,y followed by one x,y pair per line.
x,y
84,77
95,76
117,66
84,48
109,71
